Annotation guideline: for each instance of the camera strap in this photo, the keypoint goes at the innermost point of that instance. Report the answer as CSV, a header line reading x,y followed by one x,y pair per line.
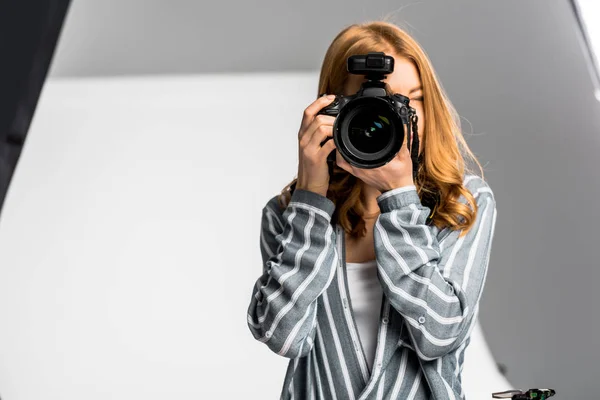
x,y
413,144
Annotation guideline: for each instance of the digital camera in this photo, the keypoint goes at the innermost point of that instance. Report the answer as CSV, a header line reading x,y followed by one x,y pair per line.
x,y
371,125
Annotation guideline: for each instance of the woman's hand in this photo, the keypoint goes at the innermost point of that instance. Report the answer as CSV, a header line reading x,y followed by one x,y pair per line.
x,y
315,143
396,173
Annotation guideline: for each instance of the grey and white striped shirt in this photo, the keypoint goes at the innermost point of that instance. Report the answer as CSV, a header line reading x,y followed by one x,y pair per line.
x,y
432,282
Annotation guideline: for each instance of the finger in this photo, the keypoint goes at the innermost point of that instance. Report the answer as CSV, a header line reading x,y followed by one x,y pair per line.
x,y
318,121
342,163
311,111
407,137
404,148
318,137
328,147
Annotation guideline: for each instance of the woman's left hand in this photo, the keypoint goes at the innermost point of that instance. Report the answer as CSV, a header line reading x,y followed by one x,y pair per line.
x,y
396,173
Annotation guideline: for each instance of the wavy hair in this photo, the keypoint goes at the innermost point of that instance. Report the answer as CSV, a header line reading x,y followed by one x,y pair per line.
x,y
442,165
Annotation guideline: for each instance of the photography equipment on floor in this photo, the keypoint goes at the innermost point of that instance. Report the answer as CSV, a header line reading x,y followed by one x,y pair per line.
x,y
371,125
531,394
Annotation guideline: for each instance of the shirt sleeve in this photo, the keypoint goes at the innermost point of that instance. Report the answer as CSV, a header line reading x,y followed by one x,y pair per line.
x,y
435,286
299,260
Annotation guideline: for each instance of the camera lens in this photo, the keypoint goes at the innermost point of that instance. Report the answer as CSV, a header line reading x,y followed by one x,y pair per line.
x,y
368,132
369,129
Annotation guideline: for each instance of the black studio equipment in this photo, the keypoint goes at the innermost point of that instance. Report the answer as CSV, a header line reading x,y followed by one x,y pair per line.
x,y
531,394
29,31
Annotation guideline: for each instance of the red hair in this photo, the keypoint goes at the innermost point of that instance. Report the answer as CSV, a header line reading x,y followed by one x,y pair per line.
x,y
442,169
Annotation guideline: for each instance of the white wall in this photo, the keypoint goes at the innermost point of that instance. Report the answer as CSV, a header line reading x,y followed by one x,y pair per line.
x,y
129,240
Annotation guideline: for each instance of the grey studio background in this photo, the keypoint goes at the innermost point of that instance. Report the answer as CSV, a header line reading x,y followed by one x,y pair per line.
x,y
156,255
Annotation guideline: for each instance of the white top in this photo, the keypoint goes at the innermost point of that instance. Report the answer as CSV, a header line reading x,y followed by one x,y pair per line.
x,y
365,295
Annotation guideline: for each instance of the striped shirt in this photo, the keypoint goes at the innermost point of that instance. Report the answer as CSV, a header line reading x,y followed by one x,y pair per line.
x,y
432,282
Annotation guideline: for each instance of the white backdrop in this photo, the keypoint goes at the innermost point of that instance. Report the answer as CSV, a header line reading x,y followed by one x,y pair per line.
x,y
129,240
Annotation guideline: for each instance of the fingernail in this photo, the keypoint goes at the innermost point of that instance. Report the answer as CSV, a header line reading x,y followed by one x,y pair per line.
x,y
330,96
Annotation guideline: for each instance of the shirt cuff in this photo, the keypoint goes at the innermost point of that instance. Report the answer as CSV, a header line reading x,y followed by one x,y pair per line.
x,y
398,198
314,199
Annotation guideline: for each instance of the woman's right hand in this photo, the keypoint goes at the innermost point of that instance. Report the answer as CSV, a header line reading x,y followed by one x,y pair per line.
x,y
313,172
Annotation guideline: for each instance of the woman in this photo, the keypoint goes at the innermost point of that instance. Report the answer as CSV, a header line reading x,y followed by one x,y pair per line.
x,y
369,292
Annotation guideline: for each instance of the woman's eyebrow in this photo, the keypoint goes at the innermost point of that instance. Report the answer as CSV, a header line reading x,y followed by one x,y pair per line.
x,y
415,89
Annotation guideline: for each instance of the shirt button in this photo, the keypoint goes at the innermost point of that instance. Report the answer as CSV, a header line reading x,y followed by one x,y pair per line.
x,y
421,319
268,334
385,320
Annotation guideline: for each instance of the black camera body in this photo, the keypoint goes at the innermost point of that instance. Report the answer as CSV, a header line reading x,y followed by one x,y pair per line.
x,y
371,125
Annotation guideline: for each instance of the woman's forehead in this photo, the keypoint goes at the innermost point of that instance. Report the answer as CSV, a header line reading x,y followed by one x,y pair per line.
x,y
404,78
